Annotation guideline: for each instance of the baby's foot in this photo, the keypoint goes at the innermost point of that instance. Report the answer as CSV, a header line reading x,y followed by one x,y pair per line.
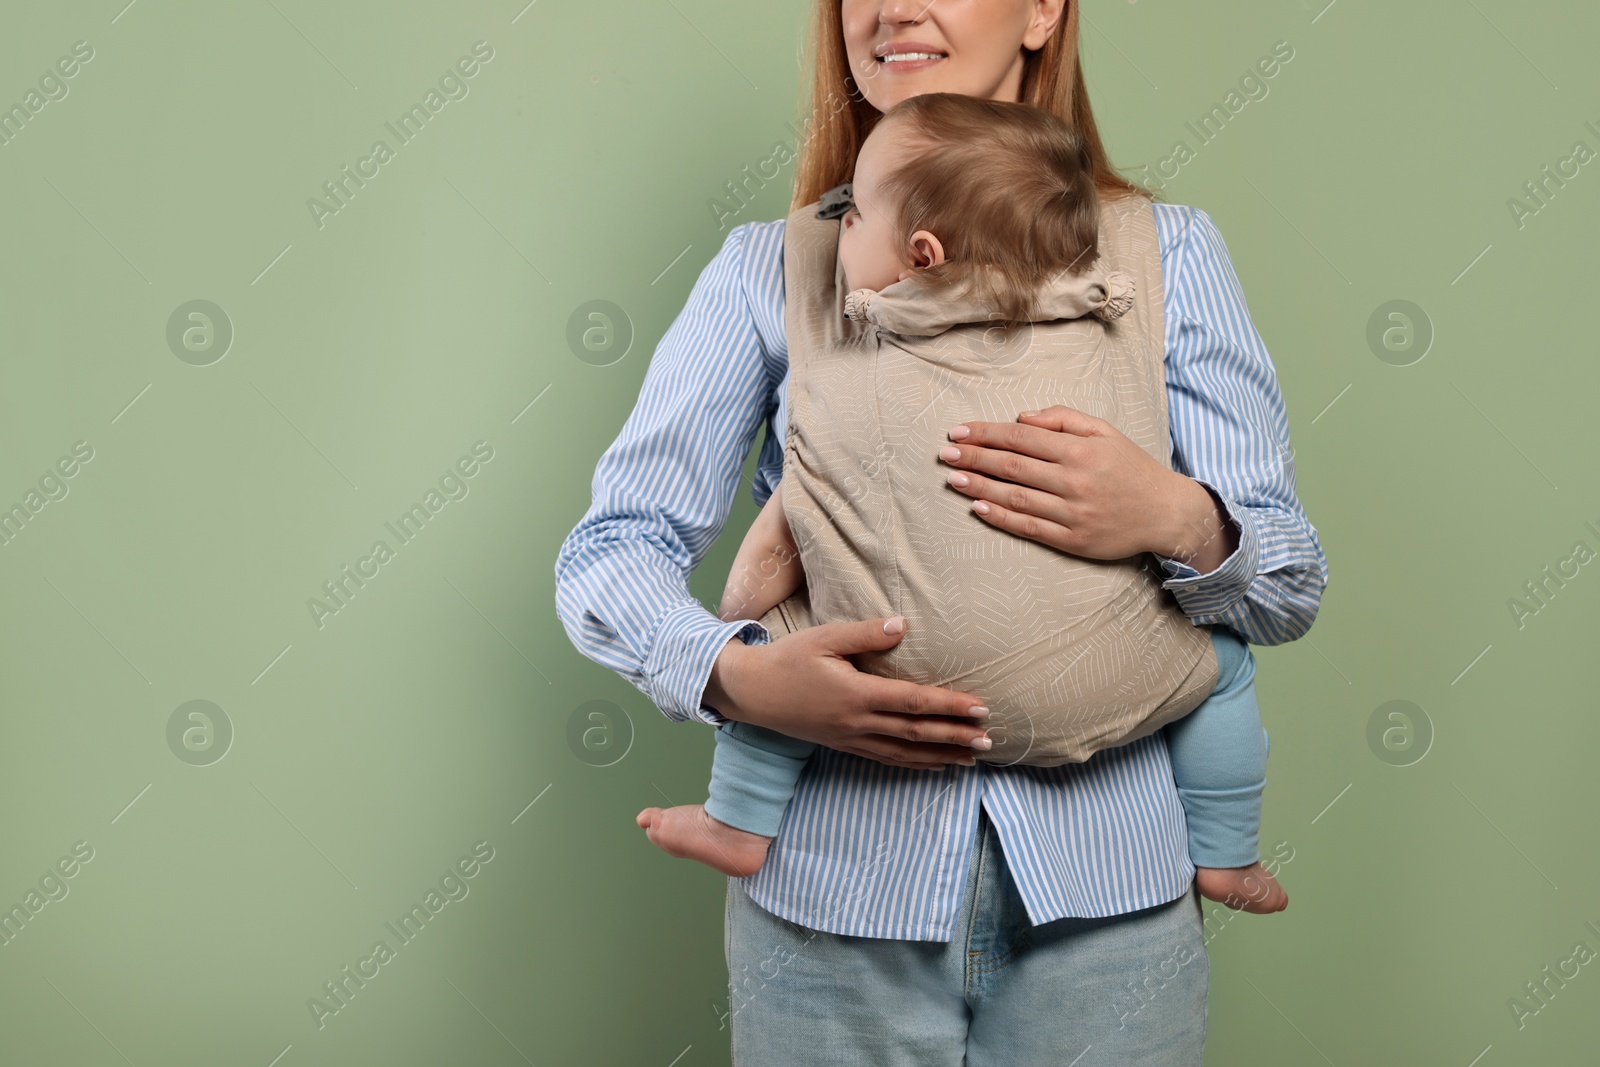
x,y
688,831
1251,888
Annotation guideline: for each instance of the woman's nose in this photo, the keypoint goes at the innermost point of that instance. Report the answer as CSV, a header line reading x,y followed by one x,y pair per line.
x,y
895,12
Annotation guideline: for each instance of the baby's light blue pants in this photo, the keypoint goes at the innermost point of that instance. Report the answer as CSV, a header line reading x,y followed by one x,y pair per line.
x,y
1219,762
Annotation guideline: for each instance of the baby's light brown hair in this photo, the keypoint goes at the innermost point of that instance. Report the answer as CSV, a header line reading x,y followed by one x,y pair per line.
x,y
1004,185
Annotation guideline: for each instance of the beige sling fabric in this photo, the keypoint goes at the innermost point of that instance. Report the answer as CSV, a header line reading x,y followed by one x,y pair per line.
x,y
1071,655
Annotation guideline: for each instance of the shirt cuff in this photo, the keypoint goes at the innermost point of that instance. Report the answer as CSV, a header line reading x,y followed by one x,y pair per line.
x,y
1205,597
686,644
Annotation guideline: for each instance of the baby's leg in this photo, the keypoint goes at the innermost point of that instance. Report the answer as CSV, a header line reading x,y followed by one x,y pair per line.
x,y
766,570
1219,761
753,774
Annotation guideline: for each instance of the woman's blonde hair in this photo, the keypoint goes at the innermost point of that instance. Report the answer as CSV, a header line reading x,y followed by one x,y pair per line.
x,y
840,117
1007,188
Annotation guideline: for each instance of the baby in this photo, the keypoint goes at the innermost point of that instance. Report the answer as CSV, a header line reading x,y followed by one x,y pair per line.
x,y
1217,750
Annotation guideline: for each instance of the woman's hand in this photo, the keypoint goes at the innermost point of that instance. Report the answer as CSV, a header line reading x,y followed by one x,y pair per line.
x,y
802,685
1075,482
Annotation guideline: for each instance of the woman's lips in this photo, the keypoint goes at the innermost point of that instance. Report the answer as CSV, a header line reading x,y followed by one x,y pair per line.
x,y
906,57
906,66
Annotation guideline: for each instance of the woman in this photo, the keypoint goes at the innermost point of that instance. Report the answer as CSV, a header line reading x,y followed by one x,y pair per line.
x,y
916,908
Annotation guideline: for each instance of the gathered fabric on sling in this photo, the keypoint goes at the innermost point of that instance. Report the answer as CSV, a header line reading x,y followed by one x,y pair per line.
x,y
1071,655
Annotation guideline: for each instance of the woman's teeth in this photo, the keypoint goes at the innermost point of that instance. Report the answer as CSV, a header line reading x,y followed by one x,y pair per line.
x,y
906,57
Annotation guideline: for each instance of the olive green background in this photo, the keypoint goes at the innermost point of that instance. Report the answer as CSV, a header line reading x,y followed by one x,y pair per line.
x,y
443,705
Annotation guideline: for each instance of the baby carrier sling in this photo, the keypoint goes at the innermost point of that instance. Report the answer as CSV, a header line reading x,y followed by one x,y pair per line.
x,y
1071,655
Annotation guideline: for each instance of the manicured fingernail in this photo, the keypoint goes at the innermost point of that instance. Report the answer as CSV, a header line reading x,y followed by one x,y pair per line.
x,y
894,625
980,507
951,454
959,480
959,433
982,744
1030,413
978,712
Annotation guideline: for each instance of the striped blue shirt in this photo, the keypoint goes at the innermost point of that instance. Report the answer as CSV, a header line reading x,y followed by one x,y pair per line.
x,y
878,851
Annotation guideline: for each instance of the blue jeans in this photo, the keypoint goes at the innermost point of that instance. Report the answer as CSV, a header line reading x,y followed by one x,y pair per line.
x,y
1219,763
1108,992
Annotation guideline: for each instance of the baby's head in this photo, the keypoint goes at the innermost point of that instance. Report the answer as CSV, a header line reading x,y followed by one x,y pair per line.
x,y
947,182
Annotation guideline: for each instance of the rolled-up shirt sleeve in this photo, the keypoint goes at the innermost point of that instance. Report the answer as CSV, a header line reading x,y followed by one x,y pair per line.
x,y
662,492
1230,432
